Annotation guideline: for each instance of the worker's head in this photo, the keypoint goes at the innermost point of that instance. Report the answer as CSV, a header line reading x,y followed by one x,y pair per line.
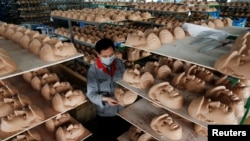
x,y
105,50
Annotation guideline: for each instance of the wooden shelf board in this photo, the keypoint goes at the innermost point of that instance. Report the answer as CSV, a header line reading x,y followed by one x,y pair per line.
x,y
37,99
27,61
141,113
183,50
183,112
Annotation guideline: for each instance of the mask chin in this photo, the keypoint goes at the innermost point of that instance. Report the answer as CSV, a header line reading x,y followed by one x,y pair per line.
x,y
108,61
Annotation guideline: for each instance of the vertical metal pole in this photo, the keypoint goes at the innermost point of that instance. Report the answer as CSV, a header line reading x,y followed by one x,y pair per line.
x,y
71,38
70,31
101,26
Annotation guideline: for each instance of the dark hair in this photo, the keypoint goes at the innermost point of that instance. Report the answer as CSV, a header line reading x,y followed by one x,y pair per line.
x,y
104,44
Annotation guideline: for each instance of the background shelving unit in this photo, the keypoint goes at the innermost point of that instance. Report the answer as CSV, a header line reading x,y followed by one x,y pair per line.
x,y
27,62
98,25
9,12
64,4
203,9
76,21
180,112
51,137
36,11
239,11
183,50
113,5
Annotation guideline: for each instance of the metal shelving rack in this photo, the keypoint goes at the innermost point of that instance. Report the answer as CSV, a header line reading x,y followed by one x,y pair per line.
x,y
33,11
63,4
8,11
28,62
236,11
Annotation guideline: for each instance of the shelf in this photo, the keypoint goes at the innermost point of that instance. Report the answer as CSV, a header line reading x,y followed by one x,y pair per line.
x,y
183,112
86,22
41,129
113,5
204,11
64,18
68,38
233,15
162,11
29,2
84,43
27,61
40,9
37,99
31,16
61,37
61,3
141,113
235,7
117,44
185,51
119,5
143,20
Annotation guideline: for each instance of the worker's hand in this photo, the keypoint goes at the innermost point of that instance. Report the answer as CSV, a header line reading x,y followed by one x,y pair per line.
x,y
110,101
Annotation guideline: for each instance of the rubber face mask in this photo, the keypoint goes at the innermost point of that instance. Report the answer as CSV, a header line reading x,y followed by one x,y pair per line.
x,y
107,61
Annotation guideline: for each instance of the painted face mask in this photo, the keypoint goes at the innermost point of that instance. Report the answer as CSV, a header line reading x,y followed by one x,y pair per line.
x,y
107,61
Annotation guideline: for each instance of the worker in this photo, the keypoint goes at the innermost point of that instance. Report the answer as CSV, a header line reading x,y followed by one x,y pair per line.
x,y
101,82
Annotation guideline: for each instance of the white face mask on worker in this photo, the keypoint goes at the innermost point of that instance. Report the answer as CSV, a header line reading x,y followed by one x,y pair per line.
x,y
107,61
